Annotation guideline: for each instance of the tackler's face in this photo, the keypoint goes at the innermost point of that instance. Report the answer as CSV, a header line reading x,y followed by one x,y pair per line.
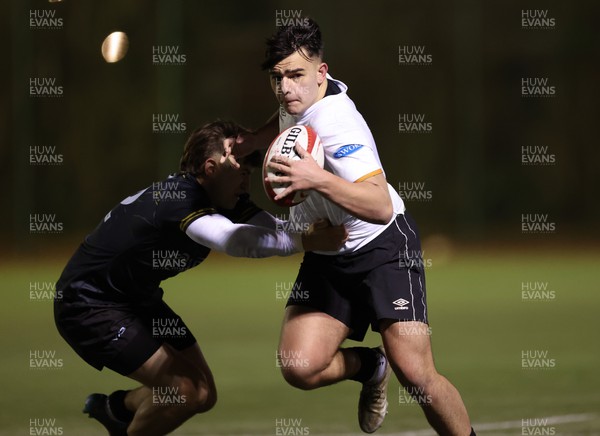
x,y
296,80
230,183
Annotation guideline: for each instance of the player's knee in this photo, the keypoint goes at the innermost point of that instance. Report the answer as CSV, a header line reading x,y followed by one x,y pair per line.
x,y
302,367
199,396
207,399
300,378
303,374
412,374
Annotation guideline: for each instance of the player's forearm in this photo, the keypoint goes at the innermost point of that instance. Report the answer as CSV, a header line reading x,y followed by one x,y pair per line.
x,y
256,242
242,240
265,219
320,236
365,200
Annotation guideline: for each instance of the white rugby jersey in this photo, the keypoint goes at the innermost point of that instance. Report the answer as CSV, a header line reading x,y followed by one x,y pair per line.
x,y
350,153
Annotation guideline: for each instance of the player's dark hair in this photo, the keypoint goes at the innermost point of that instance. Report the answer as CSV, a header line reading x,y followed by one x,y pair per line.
x,y
290,39
204,143
207,141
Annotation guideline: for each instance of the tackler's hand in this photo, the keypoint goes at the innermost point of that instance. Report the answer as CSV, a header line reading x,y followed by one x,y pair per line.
x,y
228,144
322,236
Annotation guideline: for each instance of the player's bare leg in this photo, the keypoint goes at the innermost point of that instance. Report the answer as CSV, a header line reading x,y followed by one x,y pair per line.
x,y
189,378
309,349
311,357
195,357
408,349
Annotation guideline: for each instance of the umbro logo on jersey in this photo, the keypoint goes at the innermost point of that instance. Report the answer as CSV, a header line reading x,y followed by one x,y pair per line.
x,y
345,150
401,304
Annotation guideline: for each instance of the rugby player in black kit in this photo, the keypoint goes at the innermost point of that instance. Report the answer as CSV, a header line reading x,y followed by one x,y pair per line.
x,y
110,289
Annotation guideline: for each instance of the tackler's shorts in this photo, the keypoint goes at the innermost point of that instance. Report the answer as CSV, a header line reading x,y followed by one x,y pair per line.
x,y
117,335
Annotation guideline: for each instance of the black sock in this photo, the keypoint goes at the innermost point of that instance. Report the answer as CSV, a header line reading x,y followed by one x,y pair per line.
x,y
368,364
472,432
116,402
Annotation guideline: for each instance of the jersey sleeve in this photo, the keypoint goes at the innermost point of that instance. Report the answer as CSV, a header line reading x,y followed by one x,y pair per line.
x,y
243,211
351,157
185,222
180,201
242,240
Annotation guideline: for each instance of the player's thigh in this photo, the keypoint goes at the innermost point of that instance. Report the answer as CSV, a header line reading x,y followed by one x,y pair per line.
x,y
408,348
311,335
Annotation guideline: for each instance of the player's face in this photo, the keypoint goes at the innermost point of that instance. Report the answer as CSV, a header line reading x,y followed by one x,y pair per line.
x,y
229,184
296,82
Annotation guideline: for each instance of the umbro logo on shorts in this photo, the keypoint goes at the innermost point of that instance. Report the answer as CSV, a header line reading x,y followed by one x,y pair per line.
x,y
401,304
119,334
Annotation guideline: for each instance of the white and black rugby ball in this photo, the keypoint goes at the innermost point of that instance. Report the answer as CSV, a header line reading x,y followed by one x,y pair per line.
x,y
283,145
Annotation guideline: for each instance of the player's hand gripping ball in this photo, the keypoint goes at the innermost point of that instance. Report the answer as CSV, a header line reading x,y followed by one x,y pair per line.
x,y
283,145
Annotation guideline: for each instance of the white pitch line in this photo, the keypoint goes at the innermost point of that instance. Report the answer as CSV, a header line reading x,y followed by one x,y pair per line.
x,y
489,426
560,419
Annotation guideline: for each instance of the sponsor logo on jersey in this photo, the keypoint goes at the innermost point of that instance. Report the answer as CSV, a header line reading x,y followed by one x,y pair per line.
x,y
345,150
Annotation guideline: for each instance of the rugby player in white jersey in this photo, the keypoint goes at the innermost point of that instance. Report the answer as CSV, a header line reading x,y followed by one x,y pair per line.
x,y
377,277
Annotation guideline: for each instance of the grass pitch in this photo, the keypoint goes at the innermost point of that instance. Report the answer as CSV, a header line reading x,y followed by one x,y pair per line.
x,y
482,329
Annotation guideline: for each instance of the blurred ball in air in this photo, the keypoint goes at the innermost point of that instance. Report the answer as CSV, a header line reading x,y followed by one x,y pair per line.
x,y
114,47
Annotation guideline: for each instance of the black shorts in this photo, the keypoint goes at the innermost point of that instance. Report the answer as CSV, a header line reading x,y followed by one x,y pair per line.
x,y
385,279
118,335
